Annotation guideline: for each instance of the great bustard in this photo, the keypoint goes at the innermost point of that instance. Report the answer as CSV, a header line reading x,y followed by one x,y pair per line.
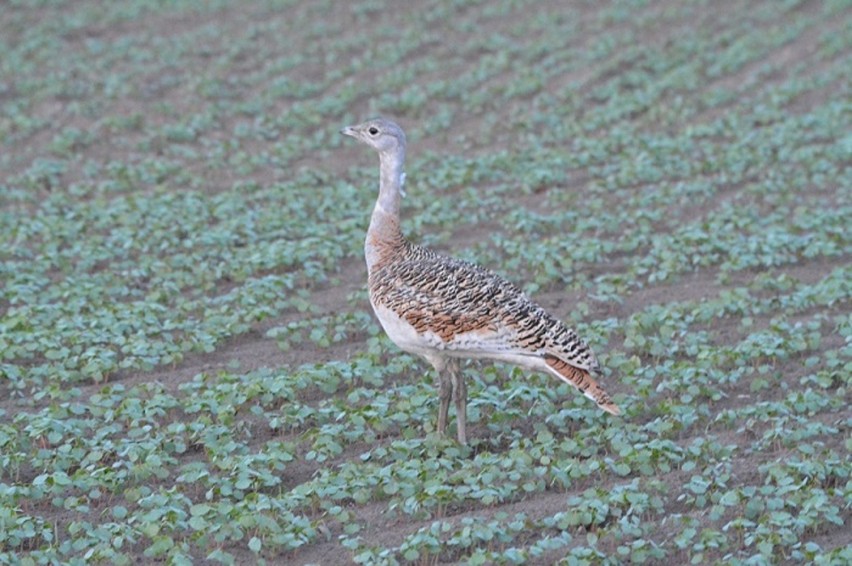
x,y
443,309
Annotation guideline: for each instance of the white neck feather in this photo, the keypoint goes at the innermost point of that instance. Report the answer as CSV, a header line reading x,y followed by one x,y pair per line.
x,y
384,231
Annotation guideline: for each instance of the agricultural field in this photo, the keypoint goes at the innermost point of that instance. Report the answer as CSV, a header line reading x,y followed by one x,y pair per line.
x,y
190,372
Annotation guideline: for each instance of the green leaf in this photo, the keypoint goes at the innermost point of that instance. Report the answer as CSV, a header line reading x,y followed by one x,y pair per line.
x,y
255,544
199,509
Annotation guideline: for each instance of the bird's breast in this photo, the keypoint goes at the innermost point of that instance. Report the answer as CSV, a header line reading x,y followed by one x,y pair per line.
x,y
404,334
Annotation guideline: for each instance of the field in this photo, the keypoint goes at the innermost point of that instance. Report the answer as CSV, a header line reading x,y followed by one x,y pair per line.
x,y
190,371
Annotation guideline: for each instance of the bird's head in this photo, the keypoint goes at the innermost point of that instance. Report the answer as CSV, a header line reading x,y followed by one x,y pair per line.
x,y
382,135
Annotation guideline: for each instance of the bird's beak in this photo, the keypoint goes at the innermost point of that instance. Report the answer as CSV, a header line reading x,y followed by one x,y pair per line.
x,y
348,131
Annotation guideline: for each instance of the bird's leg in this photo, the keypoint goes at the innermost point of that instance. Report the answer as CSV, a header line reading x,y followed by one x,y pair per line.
x,y
445,391
460,399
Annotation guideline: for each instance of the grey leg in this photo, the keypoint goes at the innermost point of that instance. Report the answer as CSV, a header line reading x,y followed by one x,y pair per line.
x,y
460,399
445,391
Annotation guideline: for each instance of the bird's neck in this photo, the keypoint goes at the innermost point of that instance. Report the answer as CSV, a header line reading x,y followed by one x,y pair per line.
x,y
384,237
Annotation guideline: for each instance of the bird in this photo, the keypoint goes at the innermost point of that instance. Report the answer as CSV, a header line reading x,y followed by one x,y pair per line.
x,y
444,309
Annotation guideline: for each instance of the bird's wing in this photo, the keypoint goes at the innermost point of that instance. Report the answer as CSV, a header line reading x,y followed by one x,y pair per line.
x,y
473,309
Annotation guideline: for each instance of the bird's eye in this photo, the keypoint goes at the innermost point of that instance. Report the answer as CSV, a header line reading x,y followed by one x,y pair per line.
x,y
373,131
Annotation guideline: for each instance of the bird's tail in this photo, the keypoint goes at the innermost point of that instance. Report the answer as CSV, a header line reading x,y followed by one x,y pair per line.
x,y
582,380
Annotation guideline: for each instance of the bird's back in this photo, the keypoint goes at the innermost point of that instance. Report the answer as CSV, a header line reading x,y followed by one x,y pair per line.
x,y
439,304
